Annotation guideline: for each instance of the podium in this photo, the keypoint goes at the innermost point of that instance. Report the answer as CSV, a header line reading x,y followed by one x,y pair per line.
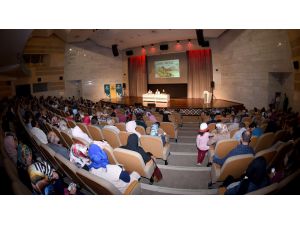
x,y
207,97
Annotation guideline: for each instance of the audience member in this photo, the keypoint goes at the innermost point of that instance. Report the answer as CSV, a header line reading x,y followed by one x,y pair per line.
x,y
201,142
36,131
242,148
55,146
256,131
130,127
10,146
133,144
238,134
221,134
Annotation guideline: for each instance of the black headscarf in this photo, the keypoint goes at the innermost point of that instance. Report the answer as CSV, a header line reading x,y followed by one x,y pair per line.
x,y
133,144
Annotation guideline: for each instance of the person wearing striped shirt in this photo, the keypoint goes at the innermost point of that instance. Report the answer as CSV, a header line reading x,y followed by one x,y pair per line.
x,y
42,175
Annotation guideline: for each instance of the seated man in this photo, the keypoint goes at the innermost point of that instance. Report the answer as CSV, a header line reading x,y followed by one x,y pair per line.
x,y
36,131
241,149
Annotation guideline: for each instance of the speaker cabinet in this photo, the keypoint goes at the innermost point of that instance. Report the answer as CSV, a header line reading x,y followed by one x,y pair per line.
x,y
200,37
115,50
296,65
164,47
129,52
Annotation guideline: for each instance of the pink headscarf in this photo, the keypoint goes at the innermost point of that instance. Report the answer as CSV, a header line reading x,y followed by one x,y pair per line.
x,y
86,120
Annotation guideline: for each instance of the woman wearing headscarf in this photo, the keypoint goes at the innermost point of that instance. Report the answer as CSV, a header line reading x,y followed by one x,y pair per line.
x,y
114,174
79,156
130,127
151,117
133,144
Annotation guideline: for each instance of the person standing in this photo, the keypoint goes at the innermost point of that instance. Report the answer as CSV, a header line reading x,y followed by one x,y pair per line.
x,y
201,141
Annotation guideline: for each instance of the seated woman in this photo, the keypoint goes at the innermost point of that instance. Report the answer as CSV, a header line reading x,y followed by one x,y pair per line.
x,y
114,174
133,144
77,132
130,127
140,121
79,156
151,117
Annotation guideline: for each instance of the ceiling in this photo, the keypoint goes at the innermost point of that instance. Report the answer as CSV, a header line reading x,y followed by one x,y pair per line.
x,y
12,42
127,38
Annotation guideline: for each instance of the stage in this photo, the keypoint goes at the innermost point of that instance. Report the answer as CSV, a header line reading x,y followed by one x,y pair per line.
x,y
187,106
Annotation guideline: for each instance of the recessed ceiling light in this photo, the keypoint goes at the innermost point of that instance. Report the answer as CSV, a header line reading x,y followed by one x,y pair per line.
x,y
70,49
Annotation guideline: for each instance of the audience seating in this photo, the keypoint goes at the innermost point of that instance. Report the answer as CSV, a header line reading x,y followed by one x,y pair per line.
x,y
268,154
61,138
111,137
110,154
223,147
99,186
80,141
288,179
253,141
232,133
149,123
95,132
83,127
154,145
264,141
48,126
71,124
49,153
234,166
170,129
281,135
140,129
19,188
265,190
68,139
133,161
123,135
278,159
69,169
121,126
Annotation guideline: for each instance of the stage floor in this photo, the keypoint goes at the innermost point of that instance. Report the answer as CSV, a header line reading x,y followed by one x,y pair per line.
x,y
177,103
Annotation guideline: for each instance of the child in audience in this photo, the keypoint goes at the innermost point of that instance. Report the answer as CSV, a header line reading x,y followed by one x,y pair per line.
x,y
201,141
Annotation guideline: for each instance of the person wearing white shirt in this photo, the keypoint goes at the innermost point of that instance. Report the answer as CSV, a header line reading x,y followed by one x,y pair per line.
x,y
36,131
238,134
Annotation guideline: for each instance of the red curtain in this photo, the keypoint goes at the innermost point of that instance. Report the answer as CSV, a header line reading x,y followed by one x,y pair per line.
x,y
137,74
199,72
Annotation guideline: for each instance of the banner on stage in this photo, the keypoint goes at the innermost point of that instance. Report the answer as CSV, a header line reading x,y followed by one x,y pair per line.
x,y
107,89
119,90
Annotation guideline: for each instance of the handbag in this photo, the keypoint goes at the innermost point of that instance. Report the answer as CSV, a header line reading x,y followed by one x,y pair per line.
x,y
157,175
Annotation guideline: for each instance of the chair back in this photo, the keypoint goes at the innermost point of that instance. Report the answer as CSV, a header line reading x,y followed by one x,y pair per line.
x,y
169,128
111,137
95,132
223,147
110,154
281,135
235,166
278,160
152,144
140,129
80,141
61,138
253,141
50,153
264,141
211,127
68,138
121,126
71,124
123,135
97,185
133,161
83,127
232,133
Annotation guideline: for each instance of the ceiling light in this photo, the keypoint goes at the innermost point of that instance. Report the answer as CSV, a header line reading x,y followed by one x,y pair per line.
x,y
70,49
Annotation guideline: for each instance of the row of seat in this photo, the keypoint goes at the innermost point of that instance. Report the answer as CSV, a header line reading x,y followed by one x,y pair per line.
x,y
237,165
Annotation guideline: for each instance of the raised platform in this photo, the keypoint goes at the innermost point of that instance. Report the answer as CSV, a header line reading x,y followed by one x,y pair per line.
x,y
187,106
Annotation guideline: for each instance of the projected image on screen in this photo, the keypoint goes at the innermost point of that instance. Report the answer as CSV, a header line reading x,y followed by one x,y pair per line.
x,y
167,69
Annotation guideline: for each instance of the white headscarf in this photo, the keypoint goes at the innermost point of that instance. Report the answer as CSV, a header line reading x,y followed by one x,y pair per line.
x,y
130,127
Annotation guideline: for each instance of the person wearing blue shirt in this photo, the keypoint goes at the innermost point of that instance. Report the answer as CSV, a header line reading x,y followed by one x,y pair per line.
x,y
256,131
241,149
